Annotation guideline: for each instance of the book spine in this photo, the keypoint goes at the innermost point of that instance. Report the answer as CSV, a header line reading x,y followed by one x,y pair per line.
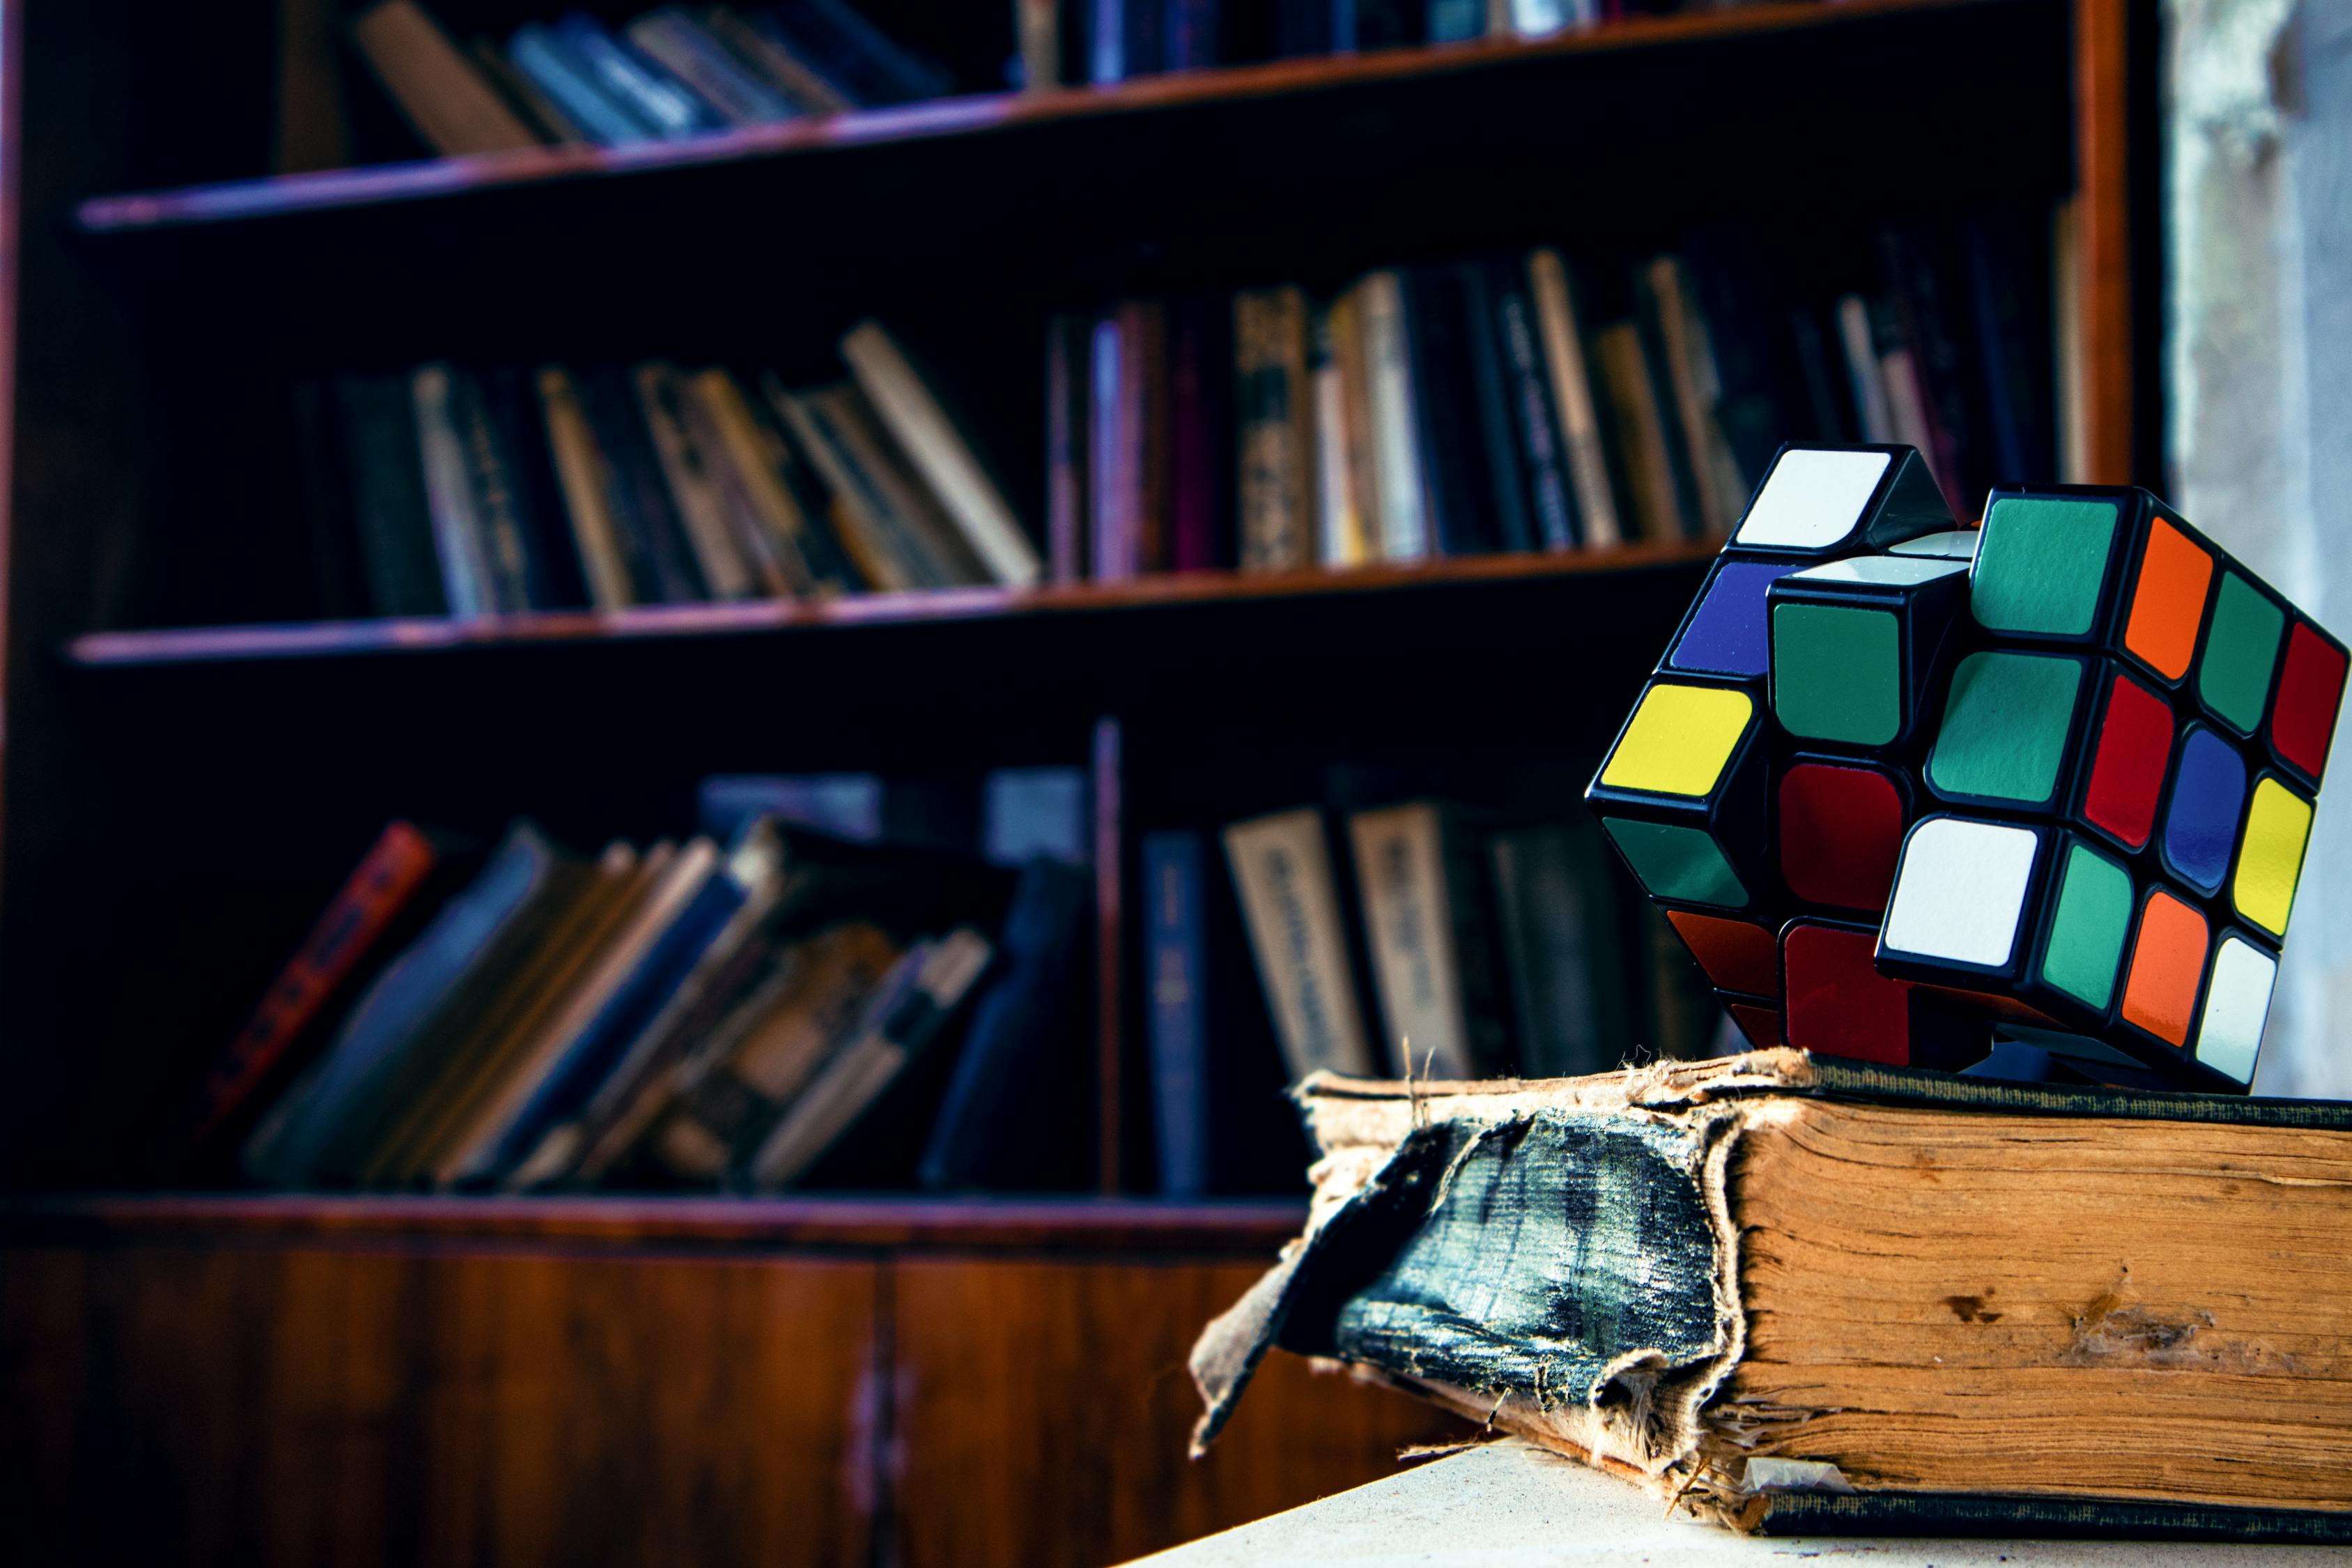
x,y
1037,30
1405,533
517,578
941,456
1871,410
1194,433
759,50
1504,495
918,531
1105,41
1276,429
1066,448
1175,960
1718,487
1536,421
519,433
388,501
386,879
1338,523
448,492
1290,903
1690,502
434,85
1446,398
1112,464
881,554
1571,383
549,61
1640,435
667,107
645,525
689,469
772,524
1348,357
580,472
1192,35
672,41
1413,976
1143,427
1925,304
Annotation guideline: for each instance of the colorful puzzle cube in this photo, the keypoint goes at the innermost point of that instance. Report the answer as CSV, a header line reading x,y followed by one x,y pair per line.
x,y
1902,785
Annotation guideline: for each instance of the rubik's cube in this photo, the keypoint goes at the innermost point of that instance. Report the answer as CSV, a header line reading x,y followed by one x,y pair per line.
x,y
1905,787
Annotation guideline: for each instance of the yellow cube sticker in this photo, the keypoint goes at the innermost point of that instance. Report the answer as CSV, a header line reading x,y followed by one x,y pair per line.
x,y
2270,857
1679,740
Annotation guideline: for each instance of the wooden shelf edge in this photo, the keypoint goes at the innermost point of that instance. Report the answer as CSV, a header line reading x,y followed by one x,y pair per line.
x,y
230,201
1253,1226
203,645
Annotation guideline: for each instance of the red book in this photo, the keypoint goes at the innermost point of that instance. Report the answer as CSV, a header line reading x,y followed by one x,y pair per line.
x,y
354,930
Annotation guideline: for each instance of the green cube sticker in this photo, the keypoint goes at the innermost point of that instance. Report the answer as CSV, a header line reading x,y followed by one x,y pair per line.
x,y
1837,673
2005,727
2240,651
1681,863
2086,934
2041,565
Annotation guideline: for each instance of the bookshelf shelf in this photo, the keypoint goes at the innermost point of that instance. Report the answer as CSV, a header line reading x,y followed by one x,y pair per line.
x,y
1151,173
1482,66
1193,595
996,1224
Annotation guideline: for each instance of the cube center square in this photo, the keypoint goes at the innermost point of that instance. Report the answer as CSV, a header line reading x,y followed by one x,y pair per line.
x,y
2006,722
2131,756
2042,567
1841,832
1837,673
2200,822
1679,740
1907,788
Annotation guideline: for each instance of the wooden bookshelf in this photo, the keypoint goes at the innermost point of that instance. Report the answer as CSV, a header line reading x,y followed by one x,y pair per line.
x,y
1076,610
191,742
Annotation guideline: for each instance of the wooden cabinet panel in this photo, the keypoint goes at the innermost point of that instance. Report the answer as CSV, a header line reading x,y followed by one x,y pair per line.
x,y
1042,1410
360,1408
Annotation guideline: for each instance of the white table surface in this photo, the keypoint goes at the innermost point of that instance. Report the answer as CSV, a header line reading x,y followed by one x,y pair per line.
x,y
1506,1506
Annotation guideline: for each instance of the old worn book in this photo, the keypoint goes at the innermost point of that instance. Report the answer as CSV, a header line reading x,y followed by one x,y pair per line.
x,y
1802,1295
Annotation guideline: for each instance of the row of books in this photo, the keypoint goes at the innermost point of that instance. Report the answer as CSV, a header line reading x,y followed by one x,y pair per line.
x,y
1531,402
476,493
846,980
675,72
682,71
1494,946
1116,40
692,1012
